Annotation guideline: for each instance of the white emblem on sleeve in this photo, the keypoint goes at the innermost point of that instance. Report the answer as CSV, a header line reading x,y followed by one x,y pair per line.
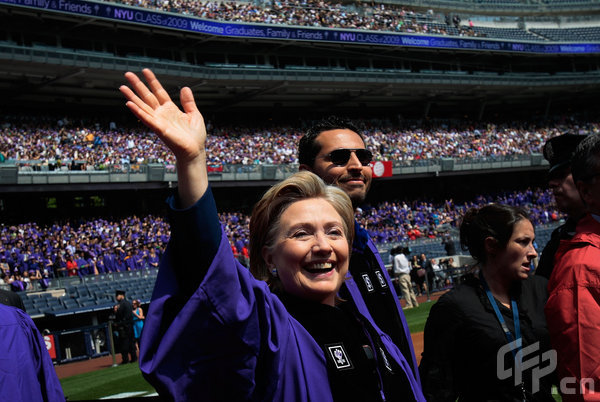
x,y
386,363
339,356
381,279
368,282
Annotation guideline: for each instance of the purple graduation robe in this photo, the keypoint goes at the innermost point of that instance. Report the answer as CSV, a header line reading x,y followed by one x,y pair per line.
x,y
228,338
26,370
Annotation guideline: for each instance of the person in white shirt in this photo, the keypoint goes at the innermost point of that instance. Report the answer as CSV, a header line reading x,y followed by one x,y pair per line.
x,y
402,274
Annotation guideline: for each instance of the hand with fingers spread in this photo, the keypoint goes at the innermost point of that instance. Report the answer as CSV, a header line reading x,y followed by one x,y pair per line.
x,y
183,132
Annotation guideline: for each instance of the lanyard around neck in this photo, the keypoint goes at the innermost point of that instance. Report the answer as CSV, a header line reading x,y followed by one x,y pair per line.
x,y
507,333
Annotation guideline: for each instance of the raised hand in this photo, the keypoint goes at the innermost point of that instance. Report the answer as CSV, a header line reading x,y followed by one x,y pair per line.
x,y
183,132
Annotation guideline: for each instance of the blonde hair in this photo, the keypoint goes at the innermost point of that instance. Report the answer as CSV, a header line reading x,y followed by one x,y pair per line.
x,y
267,215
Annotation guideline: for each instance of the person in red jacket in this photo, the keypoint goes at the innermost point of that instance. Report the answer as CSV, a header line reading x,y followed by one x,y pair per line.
x,y
573,307
72,267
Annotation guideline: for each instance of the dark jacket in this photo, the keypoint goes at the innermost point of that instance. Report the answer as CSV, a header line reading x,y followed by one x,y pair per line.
x,y
564,232
463,338
124,314
368,274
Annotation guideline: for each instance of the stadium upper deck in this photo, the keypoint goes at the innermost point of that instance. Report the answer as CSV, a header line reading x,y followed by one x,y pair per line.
x,y
71,54
381,16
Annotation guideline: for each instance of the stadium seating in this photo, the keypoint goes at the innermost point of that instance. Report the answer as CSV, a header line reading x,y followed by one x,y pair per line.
x,y
90,294
377,17
132,149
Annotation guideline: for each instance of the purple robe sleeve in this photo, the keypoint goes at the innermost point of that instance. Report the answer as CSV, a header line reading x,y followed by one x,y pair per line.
x,y
26,370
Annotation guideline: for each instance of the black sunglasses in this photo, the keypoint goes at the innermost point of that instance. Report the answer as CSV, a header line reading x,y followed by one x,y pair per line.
x,y
341,156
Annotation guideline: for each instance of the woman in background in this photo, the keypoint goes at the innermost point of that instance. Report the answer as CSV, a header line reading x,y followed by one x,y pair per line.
x,y
138,322
478,334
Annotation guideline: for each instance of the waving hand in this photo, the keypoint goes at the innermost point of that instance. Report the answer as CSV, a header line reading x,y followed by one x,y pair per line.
x,y
183,132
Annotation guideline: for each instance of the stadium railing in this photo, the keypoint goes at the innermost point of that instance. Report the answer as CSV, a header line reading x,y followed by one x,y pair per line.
x,y
23,172
86,294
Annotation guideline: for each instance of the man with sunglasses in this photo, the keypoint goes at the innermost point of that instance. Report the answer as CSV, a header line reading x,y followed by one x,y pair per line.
x,y
335,150
558,152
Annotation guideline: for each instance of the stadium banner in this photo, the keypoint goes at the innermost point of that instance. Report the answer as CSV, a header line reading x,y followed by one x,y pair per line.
x,y
382,168
50,345
137,15
214,168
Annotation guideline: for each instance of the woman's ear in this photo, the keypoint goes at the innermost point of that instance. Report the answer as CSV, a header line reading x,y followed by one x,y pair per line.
x,y
491,245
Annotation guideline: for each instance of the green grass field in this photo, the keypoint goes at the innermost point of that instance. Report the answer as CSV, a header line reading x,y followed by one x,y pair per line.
x,y
416,317
106,382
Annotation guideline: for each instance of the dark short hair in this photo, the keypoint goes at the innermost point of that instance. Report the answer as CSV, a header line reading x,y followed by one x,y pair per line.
x,y
309,148
492,220
586,158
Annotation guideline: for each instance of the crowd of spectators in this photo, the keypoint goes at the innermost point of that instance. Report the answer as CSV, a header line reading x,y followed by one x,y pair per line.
x,y
30,252
310,13
49,145
400,221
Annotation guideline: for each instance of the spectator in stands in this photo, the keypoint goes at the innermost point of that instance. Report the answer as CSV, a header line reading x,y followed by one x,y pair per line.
x,y
83,265
573,306
131,262
17,284
72,267
335,151
229,324
470,331
61,265
153,258
448,244
26,280
558,151
26,370
109,258
4,267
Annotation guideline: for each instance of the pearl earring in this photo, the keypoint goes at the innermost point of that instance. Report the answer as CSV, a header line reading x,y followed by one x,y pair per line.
x,y
274,272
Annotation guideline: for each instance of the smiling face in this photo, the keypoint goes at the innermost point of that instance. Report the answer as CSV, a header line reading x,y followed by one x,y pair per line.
x,y
353,177
514,261
310,251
